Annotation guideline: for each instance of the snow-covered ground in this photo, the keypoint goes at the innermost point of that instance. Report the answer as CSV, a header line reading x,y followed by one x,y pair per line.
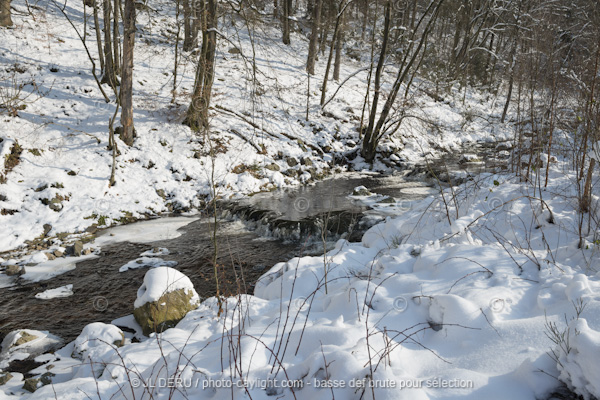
x,y
483,292
62,177
420,309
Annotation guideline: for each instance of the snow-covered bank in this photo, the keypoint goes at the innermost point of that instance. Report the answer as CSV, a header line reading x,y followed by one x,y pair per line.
x,y
420,309
61,180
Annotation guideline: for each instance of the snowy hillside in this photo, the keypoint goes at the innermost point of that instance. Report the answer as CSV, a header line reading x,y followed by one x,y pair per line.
x,y
62,175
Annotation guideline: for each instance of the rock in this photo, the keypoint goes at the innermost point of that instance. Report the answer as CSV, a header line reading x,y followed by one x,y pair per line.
x,y
55,205
5,378
47,229
503,146
50,256
87,252
58,253
25,338
361,191
273,167
97,339
468,158
75,249
387,200
307,161
291,161
14,269
161,193
164,299
32,384
46,378
92,228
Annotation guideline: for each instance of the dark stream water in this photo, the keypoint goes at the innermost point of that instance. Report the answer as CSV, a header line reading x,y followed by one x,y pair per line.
x,y
289,217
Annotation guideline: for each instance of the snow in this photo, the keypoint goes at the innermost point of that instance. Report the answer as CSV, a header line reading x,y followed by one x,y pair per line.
x,y
160,281
578,359
438,309
449,297
63,291
42,342
50,269
147,262
64,133
145,231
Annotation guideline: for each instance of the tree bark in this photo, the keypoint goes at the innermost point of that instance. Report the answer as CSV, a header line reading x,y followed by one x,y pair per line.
x,y
314,37
285,21
5,19
197,115
98,35
127,73
109,74
339,45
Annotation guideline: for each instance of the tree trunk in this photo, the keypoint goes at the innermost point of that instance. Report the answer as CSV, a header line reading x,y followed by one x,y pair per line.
x,y
339,45
366,148
334,40
98,35
285,21
109,75
117,37
190,25
314,37
374,135
5,19
127,72
197,115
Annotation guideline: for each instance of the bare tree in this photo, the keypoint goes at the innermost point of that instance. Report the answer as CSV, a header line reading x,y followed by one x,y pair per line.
x,y
408,65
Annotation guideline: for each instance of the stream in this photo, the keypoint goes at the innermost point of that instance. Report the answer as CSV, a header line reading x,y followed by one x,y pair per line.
x,y
253,234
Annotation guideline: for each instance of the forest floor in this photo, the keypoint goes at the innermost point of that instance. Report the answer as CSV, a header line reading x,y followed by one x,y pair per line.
x,y
482,291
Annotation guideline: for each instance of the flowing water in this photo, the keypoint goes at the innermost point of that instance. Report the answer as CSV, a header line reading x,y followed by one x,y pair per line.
x,y
282,224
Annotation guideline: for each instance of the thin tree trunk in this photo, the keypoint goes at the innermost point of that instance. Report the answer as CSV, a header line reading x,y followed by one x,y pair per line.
x,y
314,38
127,72
285,21
197,115
339,45
98,36
334,39
116,37
109,75
378,71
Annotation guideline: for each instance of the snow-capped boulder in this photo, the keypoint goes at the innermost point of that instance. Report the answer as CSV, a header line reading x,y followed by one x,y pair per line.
x,y
164,299
96,335
96,345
